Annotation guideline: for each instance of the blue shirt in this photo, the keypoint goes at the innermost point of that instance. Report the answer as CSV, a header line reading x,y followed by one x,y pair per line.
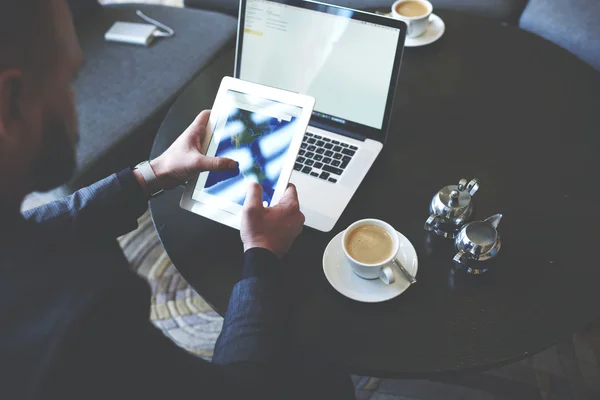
x,y
74,317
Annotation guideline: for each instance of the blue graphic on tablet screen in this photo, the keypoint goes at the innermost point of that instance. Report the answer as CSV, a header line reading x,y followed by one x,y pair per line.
x,y
259,144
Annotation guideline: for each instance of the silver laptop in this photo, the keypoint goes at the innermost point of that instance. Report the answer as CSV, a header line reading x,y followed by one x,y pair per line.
x,y
349,61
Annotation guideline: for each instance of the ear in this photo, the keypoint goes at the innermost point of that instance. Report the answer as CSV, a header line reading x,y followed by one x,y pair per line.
x,y
11,98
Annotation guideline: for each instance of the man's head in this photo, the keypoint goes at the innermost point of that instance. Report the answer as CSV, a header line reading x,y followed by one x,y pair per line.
x,y
39,57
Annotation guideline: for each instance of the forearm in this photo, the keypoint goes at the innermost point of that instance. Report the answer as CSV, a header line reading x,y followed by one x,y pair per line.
x,y
255,325
108,208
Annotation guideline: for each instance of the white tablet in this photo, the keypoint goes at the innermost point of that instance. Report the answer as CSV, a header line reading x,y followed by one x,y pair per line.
x,y
261,128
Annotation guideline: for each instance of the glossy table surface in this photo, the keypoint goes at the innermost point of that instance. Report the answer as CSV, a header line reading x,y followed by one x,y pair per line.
x,y
486,100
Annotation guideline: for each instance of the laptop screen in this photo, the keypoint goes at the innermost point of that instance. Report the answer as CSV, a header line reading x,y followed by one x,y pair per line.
x,y
347,60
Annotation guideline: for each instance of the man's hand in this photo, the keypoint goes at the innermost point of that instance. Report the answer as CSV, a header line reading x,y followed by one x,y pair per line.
x,y
184,159
273,228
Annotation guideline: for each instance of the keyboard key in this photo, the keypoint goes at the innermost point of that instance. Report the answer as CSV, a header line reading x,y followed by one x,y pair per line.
x,y
297,166
312,141
329,146
309,162
311,148
317,137
348,152
337,148
301,152
306,170
335,163
314,174
331,169
301,159
344,164
332,180
326,160
337,156
303,145
335,142
346,158
328,153
318,157
308,134
344,144
305,138
320,143
320,150
309,155
324,175
318,165
353,148
326,139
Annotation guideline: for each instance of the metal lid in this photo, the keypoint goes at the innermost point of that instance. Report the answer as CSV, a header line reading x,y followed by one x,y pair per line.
x,y
451,197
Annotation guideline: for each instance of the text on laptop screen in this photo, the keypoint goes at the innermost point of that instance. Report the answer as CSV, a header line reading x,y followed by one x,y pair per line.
x,y
345,64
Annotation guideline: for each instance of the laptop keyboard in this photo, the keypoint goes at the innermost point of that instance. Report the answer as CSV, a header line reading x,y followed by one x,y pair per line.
x,y
323,157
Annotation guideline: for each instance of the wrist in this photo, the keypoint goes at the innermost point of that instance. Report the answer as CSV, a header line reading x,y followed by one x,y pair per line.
x,y
264,246
160,170
146,177
142,182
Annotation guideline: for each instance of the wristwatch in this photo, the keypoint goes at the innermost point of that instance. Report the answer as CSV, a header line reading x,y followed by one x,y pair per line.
x,y
145,169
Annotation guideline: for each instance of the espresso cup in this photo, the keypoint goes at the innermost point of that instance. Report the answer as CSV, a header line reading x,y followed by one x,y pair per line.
x,y
372,269
416,23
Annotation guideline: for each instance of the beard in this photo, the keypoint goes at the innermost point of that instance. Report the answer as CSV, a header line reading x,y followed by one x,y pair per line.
x,y
56,161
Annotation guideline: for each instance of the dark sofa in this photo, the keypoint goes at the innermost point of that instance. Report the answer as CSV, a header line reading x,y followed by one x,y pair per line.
x,y
124,91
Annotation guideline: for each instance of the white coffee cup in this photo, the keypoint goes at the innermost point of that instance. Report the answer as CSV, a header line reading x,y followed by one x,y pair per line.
x,y
416,25
382,270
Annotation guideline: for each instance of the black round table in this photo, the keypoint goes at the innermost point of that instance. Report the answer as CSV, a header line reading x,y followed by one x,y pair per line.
x,y
487,101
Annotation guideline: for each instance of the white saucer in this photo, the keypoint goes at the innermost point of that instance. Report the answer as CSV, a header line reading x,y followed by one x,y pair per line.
x,y
433,32
340,275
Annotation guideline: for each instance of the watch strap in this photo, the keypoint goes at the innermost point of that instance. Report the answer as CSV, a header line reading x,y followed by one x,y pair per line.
x,y
145,169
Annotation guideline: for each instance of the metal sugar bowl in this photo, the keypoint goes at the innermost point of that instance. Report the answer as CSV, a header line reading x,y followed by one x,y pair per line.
x,y
477,241
451,208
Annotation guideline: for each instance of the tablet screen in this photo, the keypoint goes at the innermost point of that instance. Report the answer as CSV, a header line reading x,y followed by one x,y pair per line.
x,y
256,132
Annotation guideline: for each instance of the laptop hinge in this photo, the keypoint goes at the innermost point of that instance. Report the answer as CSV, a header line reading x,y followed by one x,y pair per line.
x,y
338,130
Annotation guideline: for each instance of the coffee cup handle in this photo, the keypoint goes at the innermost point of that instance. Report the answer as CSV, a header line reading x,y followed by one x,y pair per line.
x,y
409,29
387,275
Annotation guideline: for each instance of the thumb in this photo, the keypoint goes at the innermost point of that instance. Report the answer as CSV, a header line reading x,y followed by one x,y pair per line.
x,y
254,196
216,164
201,120
290,196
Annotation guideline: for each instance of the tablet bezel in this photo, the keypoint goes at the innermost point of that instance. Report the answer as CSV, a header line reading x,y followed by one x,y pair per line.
x,y
225,211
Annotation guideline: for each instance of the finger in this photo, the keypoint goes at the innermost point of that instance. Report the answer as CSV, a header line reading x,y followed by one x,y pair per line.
x,y
254,196
290,196
216,164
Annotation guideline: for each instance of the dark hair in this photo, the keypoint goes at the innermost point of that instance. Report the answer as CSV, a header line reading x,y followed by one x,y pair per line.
x,y
26,34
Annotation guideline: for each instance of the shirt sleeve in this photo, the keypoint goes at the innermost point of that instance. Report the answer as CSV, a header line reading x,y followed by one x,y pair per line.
x,y
115,349
255,326
108,208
